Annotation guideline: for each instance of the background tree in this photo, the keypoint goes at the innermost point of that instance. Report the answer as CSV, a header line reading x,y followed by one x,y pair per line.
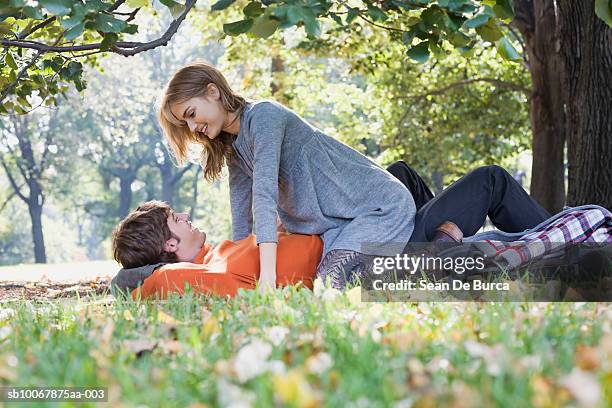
x,y
31,155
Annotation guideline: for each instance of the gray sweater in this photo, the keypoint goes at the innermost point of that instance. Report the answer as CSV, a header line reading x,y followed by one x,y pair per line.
x,y
316,184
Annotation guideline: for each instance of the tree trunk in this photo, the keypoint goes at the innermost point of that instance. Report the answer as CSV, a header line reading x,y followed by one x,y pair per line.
x,y
125,195
168,182
537,23
587,52
35,206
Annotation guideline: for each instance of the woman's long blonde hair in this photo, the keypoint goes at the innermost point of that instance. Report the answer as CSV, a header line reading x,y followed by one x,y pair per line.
x,y
188,82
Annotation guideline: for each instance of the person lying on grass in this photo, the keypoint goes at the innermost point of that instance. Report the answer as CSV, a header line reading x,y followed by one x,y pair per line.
x,y
175,253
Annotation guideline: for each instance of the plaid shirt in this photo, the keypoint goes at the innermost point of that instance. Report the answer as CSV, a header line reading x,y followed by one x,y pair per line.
x,y
586,224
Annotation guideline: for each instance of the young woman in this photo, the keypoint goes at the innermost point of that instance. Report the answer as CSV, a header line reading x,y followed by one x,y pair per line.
x,y
280,165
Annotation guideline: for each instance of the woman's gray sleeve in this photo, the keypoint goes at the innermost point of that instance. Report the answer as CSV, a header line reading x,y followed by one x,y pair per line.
x,y
241,201
268,130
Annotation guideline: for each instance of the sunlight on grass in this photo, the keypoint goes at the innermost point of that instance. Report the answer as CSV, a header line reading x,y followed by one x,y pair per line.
x,y
68,271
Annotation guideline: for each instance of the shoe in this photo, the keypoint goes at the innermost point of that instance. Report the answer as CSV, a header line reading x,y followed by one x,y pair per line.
x,y
447,232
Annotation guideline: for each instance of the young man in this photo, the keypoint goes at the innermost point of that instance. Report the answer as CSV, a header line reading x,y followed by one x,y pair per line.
x,y
161,251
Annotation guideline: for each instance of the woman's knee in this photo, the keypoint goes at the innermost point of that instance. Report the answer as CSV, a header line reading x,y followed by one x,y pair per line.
x,y
397,166
487,171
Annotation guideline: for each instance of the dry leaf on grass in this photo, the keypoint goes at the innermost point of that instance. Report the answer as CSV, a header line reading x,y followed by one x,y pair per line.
x,y
583,386
139,346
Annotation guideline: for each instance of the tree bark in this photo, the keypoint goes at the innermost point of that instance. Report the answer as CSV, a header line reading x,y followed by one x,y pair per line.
x,y
537,23
35,209
587,58
125,194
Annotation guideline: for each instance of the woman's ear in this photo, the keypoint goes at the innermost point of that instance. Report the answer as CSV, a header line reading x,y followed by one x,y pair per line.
x,y
213,91
171,245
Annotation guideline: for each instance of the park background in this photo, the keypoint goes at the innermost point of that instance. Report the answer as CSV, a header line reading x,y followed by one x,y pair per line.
x,y
80,145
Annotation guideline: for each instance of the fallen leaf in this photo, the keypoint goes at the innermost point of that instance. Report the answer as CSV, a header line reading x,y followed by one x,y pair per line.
x,y
209,328
354,295
139,346
171,346
583,386
293,389
587,358
319,363
162,317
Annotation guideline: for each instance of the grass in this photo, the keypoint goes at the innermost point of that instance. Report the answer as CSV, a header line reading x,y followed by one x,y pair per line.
x,y
299,348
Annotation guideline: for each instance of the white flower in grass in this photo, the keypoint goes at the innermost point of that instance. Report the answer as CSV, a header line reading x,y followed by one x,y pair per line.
x,y
251,361
584,386
276,334
231,395
5,332
319,363
6,314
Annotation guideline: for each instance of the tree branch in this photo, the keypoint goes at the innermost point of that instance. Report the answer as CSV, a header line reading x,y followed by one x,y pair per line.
x,y
381,26
115,6
497,82
181,173
16,188
440,91
9,88
8,199
122,47
37,27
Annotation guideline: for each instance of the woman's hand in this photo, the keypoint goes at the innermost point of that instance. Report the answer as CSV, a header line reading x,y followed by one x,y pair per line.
x,y
267,266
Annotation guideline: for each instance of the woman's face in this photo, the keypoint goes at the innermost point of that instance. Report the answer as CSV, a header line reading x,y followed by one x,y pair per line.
x,y
202,114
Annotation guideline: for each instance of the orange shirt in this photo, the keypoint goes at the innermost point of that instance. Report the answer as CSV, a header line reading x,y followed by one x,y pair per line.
x,y
231,265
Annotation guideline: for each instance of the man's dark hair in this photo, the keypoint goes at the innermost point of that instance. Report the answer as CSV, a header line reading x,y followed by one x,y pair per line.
x,y
139,239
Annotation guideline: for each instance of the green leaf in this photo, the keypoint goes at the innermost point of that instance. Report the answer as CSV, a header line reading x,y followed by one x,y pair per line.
x,y
57,7
131,29
109,40
10,61
336,18
238,27
603,10
222,5
490,32
458,39
477,21
295,14
419,52
507,50
351,15
136,3
253,9
175,8
77,17
74,32
109,24
6,29
33,12
312,26
503,9
263,27
376,13
95,5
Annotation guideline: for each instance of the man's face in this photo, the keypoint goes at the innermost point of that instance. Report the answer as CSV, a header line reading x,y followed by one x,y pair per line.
x,y
187,240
